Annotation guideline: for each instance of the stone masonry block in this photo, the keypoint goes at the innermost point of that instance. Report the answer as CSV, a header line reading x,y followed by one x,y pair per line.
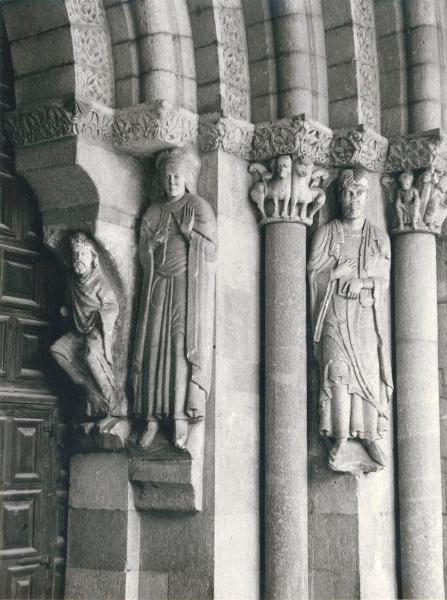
x,y
425,114
336,13
121,23
420,13
209,97
26,18
99,481
260,41
127,91
207,64
264,108
425,83
391,52
153,586
263,77
342,81
388,16
340,45
394,121
256,12
180,18
334,541
125,60
56,83
86,584
294,71
286,8
189,95
294,102
184,52
97,539
159,85
203,27
344,113
157,52
190,586
393,88
291,34
424,44
154,16
42,52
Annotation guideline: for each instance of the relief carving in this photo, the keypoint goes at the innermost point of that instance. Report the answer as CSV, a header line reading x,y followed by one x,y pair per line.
x,y
174,336
85,353
349,267
420,205
292,187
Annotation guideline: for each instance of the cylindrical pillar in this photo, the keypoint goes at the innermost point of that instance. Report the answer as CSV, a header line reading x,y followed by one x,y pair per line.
x,y
285,416
420,498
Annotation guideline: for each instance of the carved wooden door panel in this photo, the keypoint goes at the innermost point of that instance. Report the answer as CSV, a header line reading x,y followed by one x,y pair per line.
x,y
32,484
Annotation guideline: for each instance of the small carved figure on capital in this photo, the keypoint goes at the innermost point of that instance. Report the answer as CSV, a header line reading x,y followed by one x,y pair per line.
x,y
174,336
293,187
86,352
435,211
408,202
349,267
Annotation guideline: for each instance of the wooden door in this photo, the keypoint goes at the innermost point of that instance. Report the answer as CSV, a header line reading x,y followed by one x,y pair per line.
x,y
33,480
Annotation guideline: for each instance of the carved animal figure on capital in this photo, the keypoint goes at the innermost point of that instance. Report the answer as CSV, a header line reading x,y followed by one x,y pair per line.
x,y
277,188
292,185
305,191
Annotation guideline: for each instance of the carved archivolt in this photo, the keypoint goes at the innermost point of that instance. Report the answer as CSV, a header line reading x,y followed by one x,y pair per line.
x,y
92,51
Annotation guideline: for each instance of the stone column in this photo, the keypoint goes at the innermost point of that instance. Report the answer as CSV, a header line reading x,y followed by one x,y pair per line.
x,y
420,496
416,332
285,412
287,204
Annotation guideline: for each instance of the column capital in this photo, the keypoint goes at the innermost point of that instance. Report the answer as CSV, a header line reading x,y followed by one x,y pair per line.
x,y
416,181
358,147
296,135
140,130
425,150
233,136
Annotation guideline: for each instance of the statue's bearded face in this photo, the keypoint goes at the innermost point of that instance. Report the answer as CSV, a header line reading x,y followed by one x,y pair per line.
x,y
406,182
82,261
353,200
174,182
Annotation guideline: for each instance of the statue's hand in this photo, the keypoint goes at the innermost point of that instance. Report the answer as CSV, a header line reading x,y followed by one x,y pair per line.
x,y
160,237
353,288
344,268
187,221
64,311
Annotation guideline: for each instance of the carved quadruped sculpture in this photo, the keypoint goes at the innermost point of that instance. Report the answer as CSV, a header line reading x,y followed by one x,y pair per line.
x,y
348,268
294,186
86,352
174,336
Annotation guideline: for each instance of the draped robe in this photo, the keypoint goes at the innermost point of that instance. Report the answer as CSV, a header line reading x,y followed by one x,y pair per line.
x,y
176,303
349,332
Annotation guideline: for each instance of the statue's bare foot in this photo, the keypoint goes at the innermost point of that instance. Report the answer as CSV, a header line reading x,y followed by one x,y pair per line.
x,y
180,434
337,447
149,434
375,451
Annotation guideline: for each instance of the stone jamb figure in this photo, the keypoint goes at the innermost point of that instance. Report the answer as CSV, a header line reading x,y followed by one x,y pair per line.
x,y
174,335
86,352
408,202
348,271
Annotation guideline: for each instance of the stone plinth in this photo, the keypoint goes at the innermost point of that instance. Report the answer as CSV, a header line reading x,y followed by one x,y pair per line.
x,y
418,436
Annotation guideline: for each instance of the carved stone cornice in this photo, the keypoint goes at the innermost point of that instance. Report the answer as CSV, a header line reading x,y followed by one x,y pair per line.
x,y
427,150
297,136
230,135
359,147
139,130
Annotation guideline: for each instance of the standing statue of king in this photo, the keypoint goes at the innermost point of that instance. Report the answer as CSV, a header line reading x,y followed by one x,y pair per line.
x,y
174,335
349,268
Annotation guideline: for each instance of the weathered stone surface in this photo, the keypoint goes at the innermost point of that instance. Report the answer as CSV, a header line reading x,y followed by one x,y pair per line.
x,y
88,583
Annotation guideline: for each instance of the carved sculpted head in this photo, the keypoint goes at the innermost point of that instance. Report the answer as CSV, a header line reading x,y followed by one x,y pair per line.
x,y
353,192
283,166
83,254
442,183
304,167
177,171
406,179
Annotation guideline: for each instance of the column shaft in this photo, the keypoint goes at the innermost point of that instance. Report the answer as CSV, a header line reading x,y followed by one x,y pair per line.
x,y
417,391
285,417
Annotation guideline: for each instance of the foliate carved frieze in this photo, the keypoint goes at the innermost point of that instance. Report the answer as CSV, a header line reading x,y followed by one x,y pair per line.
x,y
92,51
227,134
361,147
297,135
234,57
140,130
419,151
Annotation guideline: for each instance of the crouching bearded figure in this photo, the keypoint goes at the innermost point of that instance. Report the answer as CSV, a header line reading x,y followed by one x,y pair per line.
x,y
174,334
348,269
85,353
